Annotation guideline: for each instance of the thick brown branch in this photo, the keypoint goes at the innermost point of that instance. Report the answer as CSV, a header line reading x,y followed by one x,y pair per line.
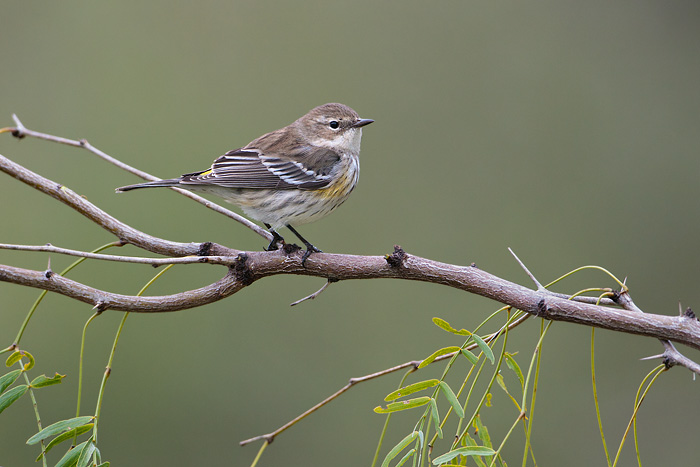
x,y
399,265
123,231
102,300
257,265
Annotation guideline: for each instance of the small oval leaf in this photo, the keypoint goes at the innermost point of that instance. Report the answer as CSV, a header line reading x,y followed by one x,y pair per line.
x,y
513,365
86,454
65,437
13,358
438,353
59,427
411,388
71,457
466,451
406,457
435,415
6,380
473,359
399,447
441,323
452,399
8,398
482,432
403,405
484,347
43,380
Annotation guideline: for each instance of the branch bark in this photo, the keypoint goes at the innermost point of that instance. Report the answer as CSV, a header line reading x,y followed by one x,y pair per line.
x,y
244,268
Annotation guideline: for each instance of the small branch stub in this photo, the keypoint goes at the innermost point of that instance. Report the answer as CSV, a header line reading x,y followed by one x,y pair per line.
x,y
397,258
242,271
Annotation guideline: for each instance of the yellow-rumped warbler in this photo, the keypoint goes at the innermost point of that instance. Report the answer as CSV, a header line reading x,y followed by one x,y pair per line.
x,y
294,175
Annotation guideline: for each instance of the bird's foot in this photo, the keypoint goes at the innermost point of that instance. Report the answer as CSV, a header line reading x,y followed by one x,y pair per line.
x,y
309,249
275,243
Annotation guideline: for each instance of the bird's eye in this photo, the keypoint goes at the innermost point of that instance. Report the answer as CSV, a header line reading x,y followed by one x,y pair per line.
x,y
334,124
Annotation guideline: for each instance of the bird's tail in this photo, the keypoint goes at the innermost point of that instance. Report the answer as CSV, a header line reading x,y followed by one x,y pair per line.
x,y
157,183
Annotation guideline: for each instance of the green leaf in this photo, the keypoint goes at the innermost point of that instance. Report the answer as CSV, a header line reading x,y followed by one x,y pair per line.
x,y
437,354
399,447
71,457
8,398
411,388
104,464
436,417
13,358
513,365
469,441
452,399
502,382
484,347
6,380
86,454
403,405
482,432
30,364
68,435
43,380
59,427
441,323
406,457
473,359
467,451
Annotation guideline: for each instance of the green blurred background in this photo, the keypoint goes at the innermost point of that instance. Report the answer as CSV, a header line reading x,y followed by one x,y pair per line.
x,y
568,131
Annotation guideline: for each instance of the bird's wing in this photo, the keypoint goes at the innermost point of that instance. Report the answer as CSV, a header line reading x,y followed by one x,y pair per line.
x,y
305,168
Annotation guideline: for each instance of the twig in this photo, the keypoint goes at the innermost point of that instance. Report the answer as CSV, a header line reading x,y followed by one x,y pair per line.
x,y
21,131
269,437
527,271
671,356
313,295
225,260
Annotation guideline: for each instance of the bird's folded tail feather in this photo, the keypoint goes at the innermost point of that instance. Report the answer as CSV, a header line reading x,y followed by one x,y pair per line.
x,y
157,183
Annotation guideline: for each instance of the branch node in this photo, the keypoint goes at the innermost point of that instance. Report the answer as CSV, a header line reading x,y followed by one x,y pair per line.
x,y
99,307
615,297
397,258
49,272
541,308
241,269
19,131
204,249
290,248
689,313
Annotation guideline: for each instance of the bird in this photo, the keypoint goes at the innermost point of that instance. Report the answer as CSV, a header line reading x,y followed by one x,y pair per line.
x,y
291,176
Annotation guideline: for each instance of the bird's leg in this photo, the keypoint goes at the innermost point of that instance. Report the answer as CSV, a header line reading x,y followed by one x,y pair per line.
x,y
309,247
276,238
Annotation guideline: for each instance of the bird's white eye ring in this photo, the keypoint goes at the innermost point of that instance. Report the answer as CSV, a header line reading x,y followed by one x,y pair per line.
x,y
334,124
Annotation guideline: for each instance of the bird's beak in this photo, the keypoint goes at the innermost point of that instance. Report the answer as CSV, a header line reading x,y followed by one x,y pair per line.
x,y
362,122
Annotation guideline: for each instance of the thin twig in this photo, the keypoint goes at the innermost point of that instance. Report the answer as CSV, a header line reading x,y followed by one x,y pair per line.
x,y
313,295
269,437
225,260
21,131
527,271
